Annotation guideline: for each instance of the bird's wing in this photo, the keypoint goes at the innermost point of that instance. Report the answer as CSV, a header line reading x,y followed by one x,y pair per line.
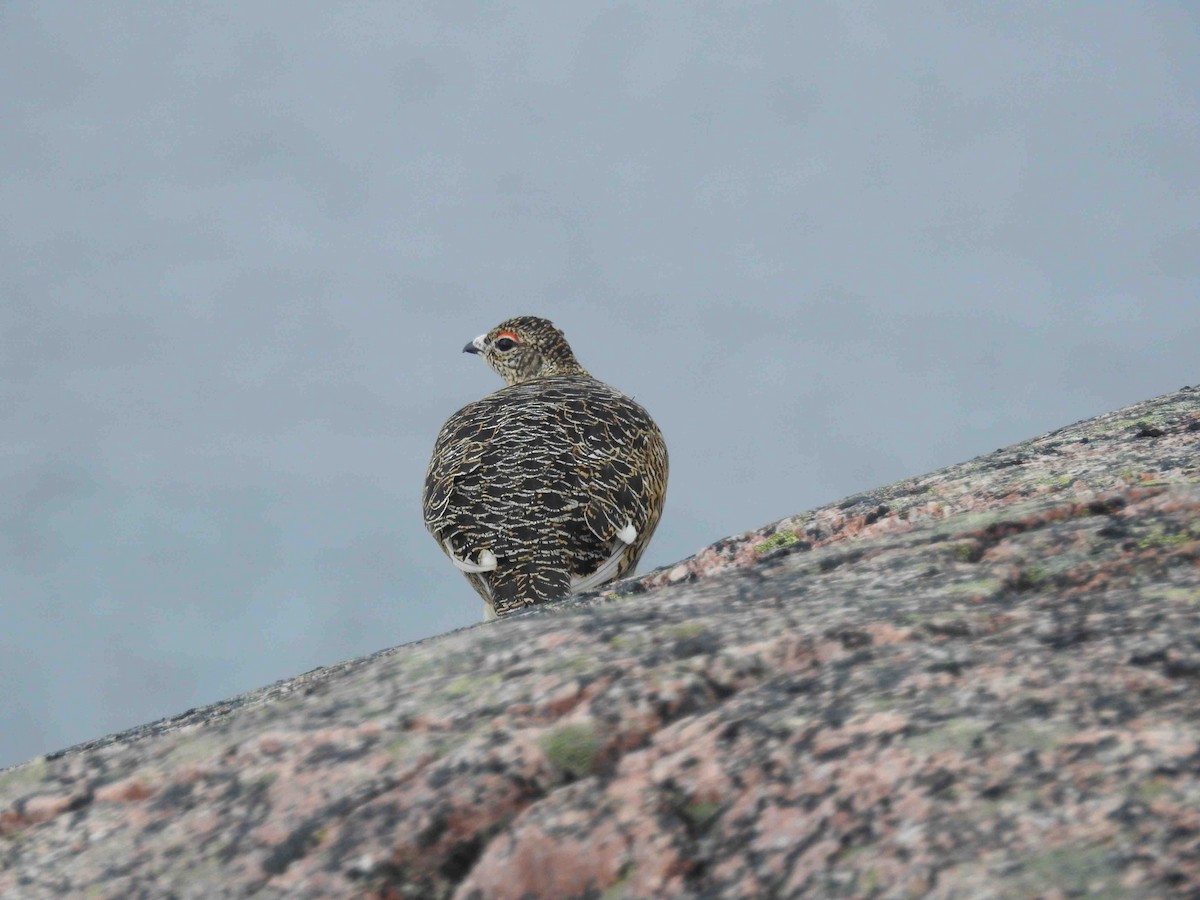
x,y
455,497
621,459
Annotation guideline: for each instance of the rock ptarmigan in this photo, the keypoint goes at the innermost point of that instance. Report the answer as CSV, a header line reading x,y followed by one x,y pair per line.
x,y
552,485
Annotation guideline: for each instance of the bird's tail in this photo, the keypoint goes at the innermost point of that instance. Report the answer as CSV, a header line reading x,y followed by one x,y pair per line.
x,y
526,584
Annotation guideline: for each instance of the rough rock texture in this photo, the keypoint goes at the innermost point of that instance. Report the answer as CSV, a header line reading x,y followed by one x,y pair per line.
x,y
981,682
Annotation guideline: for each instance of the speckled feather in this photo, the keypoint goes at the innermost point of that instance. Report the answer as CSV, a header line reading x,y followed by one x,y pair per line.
x,y
544,474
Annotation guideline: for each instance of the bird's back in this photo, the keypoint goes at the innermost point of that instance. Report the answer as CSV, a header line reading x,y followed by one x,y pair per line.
x,y
544,475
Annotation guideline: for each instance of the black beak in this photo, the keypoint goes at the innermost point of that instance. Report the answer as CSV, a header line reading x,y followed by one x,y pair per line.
x,y
470,348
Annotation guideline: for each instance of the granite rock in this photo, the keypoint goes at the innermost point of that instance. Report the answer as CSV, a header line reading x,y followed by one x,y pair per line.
x,y
983,682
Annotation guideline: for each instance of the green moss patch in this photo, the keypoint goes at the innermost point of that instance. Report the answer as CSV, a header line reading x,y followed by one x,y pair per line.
x,y
777,540
573,749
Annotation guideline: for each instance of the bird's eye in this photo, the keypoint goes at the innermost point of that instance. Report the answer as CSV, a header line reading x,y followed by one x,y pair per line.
x,y
505,341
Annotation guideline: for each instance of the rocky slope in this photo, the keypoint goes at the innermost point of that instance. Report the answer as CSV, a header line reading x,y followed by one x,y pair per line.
x,y
981,682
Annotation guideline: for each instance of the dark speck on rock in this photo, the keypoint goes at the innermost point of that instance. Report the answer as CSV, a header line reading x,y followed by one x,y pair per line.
x,y
1106,507
855,501
1114,530
695,644
851,639
292,848
1040,709
461,858
836,716
951,666
1130,813
432,833
1148,656
1179,667
730,731
630,588
1113,708
938,781
174,797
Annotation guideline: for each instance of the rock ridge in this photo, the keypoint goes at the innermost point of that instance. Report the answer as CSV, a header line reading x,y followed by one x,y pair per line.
x,y
980,682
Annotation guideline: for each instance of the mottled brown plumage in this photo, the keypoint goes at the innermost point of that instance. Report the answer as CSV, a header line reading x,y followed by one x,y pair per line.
x,y
551,485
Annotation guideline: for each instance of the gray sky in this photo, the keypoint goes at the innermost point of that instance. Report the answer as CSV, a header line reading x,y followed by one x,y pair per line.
x,y
243,244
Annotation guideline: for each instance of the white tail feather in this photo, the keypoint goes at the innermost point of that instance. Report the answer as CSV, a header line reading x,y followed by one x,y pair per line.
x,y
487,560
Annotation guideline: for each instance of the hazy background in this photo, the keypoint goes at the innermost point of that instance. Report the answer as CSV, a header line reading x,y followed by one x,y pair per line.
x,y
243,244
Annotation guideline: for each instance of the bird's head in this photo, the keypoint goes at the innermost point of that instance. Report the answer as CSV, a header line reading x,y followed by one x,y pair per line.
x,y
526,348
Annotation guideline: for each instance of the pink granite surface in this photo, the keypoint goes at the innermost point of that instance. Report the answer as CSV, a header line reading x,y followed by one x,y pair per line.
x,y
984,682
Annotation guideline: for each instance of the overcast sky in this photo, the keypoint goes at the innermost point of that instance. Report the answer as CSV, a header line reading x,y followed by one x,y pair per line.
x,y
242,245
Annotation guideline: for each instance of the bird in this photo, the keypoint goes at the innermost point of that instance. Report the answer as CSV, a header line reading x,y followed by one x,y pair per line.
x,y
553,484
